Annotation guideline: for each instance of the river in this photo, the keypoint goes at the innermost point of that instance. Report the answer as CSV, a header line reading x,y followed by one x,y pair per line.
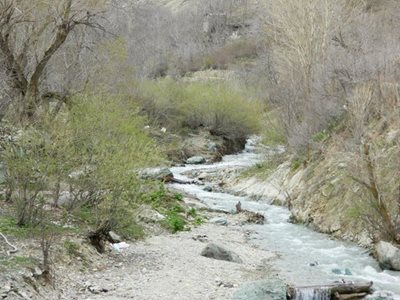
x,y
306,258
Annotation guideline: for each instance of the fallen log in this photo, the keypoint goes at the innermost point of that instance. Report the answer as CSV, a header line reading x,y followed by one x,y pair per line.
x,y
351,288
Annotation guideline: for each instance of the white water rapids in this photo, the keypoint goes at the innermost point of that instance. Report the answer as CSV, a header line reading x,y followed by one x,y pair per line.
x,y
306,258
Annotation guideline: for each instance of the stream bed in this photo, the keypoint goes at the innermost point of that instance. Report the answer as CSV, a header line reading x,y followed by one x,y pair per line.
x,y
306,258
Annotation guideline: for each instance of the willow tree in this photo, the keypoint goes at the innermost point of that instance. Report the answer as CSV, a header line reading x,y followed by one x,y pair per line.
x,y
31,33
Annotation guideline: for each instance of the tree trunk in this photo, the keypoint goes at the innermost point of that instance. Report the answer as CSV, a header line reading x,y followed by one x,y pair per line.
x,y
373,187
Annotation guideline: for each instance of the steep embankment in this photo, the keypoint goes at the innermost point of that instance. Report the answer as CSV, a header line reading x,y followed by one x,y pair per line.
x,y
329,189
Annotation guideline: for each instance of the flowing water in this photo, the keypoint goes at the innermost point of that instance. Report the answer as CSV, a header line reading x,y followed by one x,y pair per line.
x,y
306,258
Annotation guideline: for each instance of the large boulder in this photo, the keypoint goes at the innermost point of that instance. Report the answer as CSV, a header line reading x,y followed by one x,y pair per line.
x,y
388,256
217,252
196,160
163,174
273,289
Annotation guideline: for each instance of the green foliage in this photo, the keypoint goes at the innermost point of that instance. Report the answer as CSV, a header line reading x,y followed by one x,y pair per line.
x,y
296,163
192,212
198,221
220,108
97,149
72,248
174,222
354,212
178,197
178,217
17,262
321,136
8,226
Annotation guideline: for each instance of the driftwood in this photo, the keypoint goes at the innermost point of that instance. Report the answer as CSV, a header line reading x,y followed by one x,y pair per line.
x,y
339,291
351,288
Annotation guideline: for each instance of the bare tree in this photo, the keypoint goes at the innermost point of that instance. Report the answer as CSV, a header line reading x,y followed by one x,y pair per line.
x,y
31,33
300,33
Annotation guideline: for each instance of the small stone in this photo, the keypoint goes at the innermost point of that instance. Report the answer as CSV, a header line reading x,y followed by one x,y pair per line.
x,y
208,189
37,272
347,272
196,160
337,271
227,285
114,238
202,176
219,221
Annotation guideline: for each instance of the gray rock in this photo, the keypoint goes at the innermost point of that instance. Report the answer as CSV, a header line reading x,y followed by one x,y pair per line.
x,y
347,272
388,256
196,160
37,272
65,198
208,189
211,146
149,215
202,176
114,238
217,252
163,174
219,221
273,289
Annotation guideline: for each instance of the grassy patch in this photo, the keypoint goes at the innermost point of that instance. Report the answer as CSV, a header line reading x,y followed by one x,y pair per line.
x,y
174,222
17,262
72,248
178,216
8,226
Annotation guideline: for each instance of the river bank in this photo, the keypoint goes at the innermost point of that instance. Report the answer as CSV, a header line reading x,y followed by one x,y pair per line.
x,y
170,266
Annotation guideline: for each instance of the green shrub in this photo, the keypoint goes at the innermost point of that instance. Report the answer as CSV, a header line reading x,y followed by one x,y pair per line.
x,y
192,212
72,248
222,109
320,136
108,135
101,141
174,222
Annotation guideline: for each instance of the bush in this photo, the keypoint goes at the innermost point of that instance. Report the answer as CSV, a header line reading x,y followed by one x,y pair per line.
x,y
108,135
175,222
218,107
96,149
